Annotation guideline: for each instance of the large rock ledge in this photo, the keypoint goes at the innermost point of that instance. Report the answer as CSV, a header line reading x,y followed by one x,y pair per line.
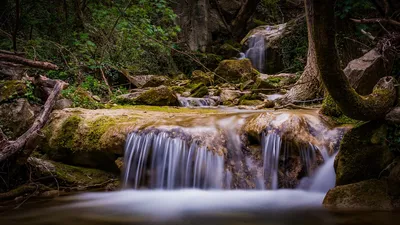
x,y
96,138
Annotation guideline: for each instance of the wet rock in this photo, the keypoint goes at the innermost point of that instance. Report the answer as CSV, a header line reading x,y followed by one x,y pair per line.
x,y
235,71
16,117
363,154
364,195
63,103
280,80
160,96
11,73
143,81
199,76
273,38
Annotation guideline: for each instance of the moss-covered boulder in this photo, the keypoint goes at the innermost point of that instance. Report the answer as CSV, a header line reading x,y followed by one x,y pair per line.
x,y
366,195
199,76
71,176
11,89
363,154
160,96
235,71
199,91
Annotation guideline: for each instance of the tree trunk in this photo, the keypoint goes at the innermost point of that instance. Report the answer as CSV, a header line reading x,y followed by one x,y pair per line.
x,y
17,15
309,85
321,20
245,13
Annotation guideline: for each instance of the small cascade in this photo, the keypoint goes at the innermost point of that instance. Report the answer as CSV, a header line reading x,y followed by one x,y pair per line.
x,y
271,146
325,177
197,102
162,161
256,52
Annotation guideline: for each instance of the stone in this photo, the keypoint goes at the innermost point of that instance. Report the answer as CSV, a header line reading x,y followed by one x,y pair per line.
x,y
199,76
11,89
364,195
69,176
144,81
235,71
16,117
365,72
229,96
273,42
199,91
160,96
363,154
63,103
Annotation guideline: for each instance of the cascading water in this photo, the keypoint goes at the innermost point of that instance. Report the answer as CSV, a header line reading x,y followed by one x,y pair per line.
x,y
256,52
271,146
171,163
197,102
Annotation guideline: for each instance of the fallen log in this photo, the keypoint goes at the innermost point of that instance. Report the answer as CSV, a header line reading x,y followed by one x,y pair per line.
x,y
27,62
9,148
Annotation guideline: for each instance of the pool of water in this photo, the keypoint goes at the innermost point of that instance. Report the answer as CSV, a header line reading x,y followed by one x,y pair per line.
x,y
191,207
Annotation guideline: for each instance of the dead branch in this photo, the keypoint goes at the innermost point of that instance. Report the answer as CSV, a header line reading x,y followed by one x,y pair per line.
x,y
376,20
27,62
12,53
10,148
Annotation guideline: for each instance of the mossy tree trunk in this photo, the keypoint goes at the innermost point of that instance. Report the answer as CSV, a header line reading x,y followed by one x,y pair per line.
x,y
321,22
309,85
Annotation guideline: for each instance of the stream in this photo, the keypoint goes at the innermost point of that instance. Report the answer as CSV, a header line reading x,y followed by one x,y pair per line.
x,y
215,172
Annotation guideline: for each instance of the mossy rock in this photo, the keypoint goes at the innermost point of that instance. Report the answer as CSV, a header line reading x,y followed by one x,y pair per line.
x,y
160,96
11,89
71,176
228,51
331,109
363,153
199,91
92,143
251,102
199,76
178,89
365,195
264,86
235,71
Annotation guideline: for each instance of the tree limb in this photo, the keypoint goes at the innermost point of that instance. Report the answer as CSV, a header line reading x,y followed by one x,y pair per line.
x,y
371,107
27,62
376,20
12,147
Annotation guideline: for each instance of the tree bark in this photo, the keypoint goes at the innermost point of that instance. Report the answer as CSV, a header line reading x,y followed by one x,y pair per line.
x,y
17,15
27,62
245,13
309,85
10,148
371,107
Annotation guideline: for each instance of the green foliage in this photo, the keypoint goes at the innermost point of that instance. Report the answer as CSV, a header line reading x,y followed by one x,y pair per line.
x,y
81,98
354,8
269,9
30,93
294,47
82,38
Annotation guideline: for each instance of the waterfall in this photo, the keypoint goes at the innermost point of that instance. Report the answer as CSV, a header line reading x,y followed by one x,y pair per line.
x,y
325,177
159,160
196,102
256,52
271,146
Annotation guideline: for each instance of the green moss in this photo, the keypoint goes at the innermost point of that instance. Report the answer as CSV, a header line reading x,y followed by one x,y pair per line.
x,y
81,98
95,131
160,96
250,102
199,91
274,80
331,109
165,109
264,86
65,137
236,71
199,76
178,89
363,154
11,89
